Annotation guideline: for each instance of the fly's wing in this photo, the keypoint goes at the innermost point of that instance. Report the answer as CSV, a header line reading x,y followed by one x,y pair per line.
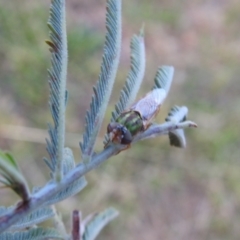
x,y
149,105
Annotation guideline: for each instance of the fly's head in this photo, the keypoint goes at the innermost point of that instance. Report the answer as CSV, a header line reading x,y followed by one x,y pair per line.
x,y
119,134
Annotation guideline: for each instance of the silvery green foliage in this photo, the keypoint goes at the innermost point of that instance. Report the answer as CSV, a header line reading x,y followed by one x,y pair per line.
x,y
69,191
45,213
67,178
163,78
103,88
97,223
32,234
177,115
73,188
57,83
71,180
35,217
134,78
59,156
135,75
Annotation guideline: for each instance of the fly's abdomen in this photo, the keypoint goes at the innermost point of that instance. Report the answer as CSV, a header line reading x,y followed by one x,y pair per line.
x,y
132,121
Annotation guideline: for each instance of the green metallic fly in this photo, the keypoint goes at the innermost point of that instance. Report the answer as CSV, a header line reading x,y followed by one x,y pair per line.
x,y
136,119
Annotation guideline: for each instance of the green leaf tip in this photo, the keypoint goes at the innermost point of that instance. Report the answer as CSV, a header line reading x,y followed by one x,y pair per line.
x,y
141,32
9,158
12,176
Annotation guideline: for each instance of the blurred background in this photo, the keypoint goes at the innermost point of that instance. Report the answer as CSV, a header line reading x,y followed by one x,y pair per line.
x,y
161,192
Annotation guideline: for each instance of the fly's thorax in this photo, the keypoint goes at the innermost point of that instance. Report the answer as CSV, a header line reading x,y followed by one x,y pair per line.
x,y
132,121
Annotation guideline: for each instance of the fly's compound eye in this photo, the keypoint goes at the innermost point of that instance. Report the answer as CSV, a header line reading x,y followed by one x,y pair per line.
x,y
126,136
111,127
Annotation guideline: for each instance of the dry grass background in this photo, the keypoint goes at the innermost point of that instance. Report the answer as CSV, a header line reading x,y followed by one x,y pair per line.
x,y
161,192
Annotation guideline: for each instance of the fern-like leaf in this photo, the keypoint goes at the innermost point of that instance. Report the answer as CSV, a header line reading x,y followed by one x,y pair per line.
x,y
103,88
134,78
177,115
33,218
32,234
69,191
98,222
73,188
135,75
57,83
163,78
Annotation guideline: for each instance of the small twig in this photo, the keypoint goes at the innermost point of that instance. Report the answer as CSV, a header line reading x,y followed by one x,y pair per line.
x,y
76,231
161,129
